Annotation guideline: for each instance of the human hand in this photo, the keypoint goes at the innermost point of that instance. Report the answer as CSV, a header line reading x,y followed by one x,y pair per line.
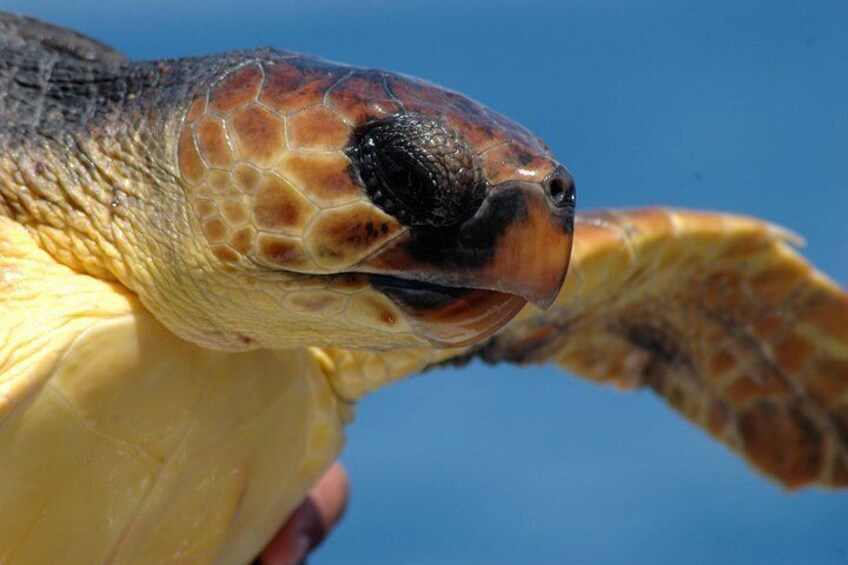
x,y
310,523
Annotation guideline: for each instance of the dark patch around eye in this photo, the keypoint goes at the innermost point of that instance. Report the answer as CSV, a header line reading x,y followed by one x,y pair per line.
x,y
473,244
418,169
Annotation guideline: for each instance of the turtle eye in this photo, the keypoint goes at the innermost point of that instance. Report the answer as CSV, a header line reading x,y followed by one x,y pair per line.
x,y
419,170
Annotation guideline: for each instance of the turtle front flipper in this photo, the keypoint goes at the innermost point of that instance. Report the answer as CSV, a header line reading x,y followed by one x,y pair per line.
x,y
122,443
720,316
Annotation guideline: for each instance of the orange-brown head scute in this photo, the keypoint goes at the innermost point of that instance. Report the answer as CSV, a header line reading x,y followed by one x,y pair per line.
x,y
455,214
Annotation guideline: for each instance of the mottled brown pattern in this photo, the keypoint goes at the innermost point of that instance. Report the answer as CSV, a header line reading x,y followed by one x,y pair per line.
x,y
212,143
317,129
236,90
282,251
417,95
767,326
827,385
775,283
204,209
197,109
279,206
220,183
260,135
361,97
191,166
721,361
247,177
344,235
757,383
216,230
480,134
782,441
481,128
242,239
235,212
289,87
326,178
225,254
518,133
828,318
794,352
294,118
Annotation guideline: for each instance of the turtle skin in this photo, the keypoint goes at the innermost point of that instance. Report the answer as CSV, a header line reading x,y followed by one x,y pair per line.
x,y
206,262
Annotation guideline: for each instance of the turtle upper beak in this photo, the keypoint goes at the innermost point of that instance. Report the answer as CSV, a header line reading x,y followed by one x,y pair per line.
x,y
518,243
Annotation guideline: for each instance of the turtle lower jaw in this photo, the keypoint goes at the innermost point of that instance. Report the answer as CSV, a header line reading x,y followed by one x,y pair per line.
x,y
449,316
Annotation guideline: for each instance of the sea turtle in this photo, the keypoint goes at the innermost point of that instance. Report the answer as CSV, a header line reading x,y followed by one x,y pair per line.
x,y
206,262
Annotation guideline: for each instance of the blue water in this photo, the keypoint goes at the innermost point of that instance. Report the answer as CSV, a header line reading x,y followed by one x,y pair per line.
x,y
723,104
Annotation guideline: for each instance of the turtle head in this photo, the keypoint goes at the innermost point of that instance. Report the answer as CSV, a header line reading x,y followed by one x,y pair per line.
x,y
359,208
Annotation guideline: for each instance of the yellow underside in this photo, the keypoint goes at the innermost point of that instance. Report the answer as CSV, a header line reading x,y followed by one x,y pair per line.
x,y
120,442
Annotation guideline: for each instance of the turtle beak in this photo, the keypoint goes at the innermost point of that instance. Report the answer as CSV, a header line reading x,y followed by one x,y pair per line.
x,y
517,244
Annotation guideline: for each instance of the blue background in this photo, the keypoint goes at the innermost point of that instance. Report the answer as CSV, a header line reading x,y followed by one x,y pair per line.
x,y
726,105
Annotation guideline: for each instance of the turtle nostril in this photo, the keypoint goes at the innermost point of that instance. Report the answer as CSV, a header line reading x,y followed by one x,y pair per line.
x,y
559,187
557,191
